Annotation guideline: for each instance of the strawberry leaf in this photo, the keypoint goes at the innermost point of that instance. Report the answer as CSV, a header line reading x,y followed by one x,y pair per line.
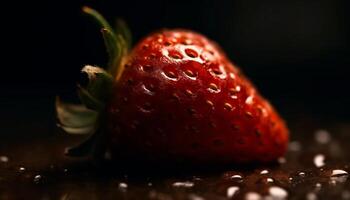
x,y
89,100
100,82
93,145
84,148
117,41
97,17
123,29
98,90
75,119
113,47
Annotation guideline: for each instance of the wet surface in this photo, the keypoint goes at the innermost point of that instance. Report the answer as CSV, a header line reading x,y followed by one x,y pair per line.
x,y
317,166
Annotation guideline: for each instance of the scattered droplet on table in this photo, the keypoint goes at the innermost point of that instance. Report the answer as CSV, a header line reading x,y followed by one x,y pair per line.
x,y
253,196
278,192
319,160
302,174
338,176
282,160
294,146
311,196
322,136
231,191
123,186
238,178
339,172
37,179
269,180
4,159
186,184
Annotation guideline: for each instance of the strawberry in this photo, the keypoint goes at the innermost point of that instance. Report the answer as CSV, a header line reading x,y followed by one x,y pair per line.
x,y
176,96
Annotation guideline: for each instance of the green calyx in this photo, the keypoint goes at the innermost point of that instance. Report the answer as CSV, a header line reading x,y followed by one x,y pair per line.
x,y
117,41
89,117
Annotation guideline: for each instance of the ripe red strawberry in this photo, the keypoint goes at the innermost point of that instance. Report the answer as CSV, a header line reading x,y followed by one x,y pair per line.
x,y
178,97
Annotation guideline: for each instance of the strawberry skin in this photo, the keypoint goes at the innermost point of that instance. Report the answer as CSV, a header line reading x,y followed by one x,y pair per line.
x,y
180,98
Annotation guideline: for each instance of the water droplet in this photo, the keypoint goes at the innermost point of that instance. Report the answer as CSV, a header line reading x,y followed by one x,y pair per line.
x,y
278,192
4,159
22,169
339,172
186,184
123,186
269,180
149,184
319,160
213,88
253,196
169,75
311,196
191,53
338,176
318,185
238,178
231,191
302,174
249,100
232,75
264,172
234,97
294,146
37,179
322,136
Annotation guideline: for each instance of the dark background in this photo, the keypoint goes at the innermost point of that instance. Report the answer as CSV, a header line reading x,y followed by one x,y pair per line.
x,y
296,52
